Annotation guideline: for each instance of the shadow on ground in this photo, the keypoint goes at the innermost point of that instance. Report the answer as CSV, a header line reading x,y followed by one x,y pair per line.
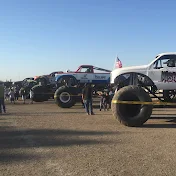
x,y
7,157
13,139
42,113
23,114
159,126
165,116
169,121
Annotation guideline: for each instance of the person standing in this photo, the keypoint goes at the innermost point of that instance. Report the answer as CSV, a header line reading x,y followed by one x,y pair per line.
x,y
87,98
111,95
102,95
31,96
6,93
23,94
2,104
107,102
16,94
12,96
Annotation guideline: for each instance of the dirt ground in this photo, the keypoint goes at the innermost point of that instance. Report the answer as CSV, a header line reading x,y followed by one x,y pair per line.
x,y
41,139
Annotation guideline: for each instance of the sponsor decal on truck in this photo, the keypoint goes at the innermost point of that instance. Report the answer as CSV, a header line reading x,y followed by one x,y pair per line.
x,y
168,76
100,77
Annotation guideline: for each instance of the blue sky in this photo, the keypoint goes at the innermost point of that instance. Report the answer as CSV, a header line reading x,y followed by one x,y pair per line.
x,y
41,36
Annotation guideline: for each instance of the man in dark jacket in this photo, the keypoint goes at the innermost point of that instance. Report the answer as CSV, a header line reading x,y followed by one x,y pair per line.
x,y
87,98
2,104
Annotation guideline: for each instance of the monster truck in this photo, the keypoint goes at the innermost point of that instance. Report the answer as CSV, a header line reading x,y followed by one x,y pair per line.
x,y
85,74
71,83
75,80
45,87
137,83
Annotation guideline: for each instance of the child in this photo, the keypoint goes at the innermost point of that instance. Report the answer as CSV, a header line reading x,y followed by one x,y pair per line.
x,y
12,96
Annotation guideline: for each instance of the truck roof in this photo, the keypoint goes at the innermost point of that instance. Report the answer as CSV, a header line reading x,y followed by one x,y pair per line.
x,y
168,53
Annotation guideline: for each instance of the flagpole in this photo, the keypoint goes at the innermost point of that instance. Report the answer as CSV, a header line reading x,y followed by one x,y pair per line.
x,y
114,63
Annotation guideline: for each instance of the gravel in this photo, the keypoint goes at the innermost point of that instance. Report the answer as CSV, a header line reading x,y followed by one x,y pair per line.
x,y
42,139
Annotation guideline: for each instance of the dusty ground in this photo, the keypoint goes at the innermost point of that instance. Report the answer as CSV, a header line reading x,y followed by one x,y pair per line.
x,y
42,139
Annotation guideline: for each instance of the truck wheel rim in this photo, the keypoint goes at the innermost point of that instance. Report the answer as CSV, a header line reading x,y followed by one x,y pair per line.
x,y
64,97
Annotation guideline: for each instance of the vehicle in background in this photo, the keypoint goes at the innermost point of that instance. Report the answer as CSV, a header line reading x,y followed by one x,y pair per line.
x,y
73,80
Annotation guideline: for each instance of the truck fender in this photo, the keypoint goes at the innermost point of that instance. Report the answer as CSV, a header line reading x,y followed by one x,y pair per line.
x,y
125,79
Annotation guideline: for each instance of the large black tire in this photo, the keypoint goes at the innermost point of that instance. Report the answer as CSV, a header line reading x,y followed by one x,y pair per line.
x,y
128,114
43,80
67,80
40,93
66,97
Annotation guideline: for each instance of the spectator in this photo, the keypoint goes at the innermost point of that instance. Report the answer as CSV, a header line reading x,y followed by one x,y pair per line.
x,y
12,96
111,95
31,96
1,96
16,94
87,99
0,108
2,104
23,94
6,94
102,100
105,101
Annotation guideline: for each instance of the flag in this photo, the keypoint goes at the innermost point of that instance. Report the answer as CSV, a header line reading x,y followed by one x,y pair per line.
x,y
118,63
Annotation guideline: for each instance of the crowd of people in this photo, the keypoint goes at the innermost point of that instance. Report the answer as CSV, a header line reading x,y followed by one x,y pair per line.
x,y
12,95
87,96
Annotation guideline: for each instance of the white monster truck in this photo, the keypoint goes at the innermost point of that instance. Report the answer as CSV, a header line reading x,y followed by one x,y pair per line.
x,y
160,74
132,103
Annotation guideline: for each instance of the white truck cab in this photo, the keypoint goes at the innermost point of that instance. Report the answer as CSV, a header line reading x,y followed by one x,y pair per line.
x,y
162,71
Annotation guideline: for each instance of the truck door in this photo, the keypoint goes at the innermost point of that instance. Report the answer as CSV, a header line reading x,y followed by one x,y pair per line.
x,y
163,73
85,74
